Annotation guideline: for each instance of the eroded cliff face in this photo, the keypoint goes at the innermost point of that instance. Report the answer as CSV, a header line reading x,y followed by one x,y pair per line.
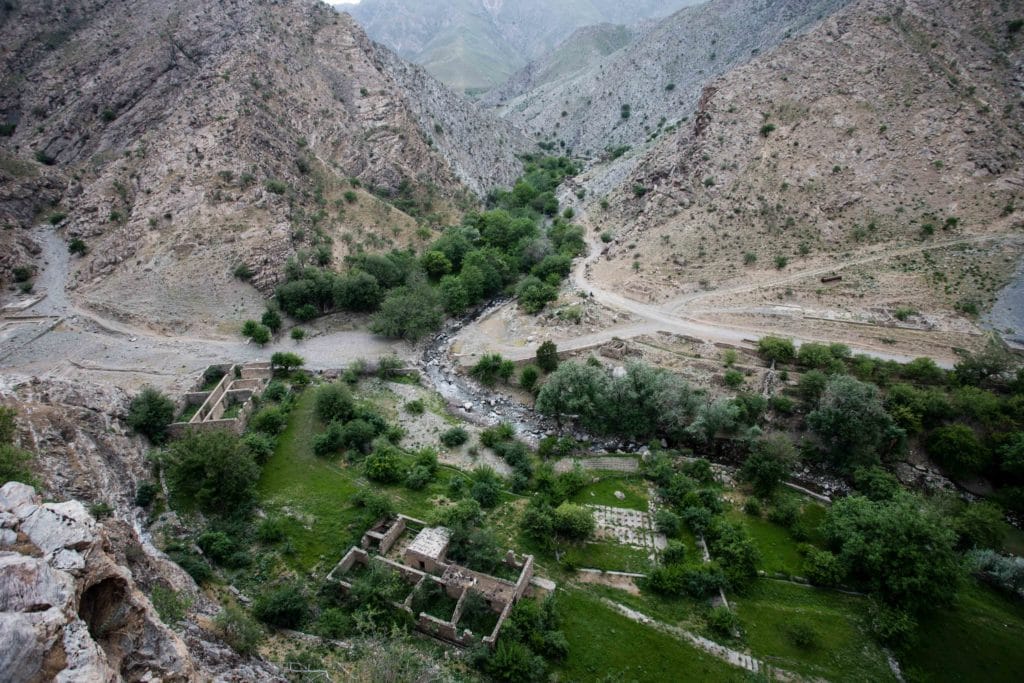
x,y
69,611
73,589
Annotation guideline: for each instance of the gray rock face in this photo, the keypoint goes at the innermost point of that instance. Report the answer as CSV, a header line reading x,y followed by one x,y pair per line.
x,y
68,611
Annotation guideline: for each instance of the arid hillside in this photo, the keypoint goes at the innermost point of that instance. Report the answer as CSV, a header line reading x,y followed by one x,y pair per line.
x,y
182,140
883,148
635,93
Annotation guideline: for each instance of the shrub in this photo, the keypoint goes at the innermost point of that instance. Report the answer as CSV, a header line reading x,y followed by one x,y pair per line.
x,y
767,129
415,407
77,247
574,521
734,379
285,606
528,377
668,522
454,437
275,186
215,469
674,553
271,421
145,494
804,636
384,465
298,334
768,464
243,272
333,402
270,530
418,478
723,622
272,320
781,262
150,413
957,448
260,445
239,630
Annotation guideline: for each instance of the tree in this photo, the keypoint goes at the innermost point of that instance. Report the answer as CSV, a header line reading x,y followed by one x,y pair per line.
x,y
769,463
409,312
574,522
486,488
901,550
547,356
852,423
286,361
272,320
384,464
718,417
215,470
358,291
776,349
957,448
454,296
150,413
260,334
534,294
573,389
436,264
334,402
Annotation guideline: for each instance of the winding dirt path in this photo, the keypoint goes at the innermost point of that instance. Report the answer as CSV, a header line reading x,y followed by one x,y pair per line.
x,y
682,315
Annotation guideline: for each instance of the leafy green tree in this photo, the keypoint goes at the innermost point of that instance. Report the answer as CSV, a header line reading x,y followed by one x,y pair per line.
x,y
454,295
215,470
358,291
770,461
547,356
409,312
980,525
776,349
270,421
286,361
852,423
573,389
901,550
436,264
534,294
384,464
574,522
150,413
713,419
486,487
958,449
334,402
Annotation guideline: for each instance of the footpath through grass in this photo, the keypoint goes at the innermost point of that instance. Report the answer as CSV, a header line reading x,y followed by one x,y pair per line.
x,y
772,612
605,645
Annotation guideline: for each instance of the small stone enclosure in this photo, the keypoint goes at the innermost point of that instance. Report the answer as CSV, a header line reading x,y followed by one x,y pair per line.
x,y
423,560
238,385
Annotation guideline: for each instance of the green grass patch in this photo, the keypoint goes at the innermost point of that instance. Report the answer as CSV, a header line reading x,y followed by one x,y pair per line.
x,y
776,545
844,651
189,412
605,645
603,493
978,638
607,556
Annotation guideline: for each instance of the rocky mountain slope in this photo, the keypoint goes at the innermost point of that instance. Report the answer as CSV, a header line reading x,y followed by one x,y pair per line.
x,y
656,80
180,140
884,147
477,44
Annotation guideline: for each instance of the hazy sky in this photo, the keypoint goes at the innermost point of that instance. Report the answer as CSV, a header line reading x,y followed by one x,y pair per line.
x,y
343,2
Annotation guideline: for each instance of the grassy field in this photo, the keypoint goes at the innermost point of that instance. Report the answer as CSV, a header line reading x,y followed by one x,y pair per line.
x,y
844,651
313,495
777,547
605,645
979,638
603,492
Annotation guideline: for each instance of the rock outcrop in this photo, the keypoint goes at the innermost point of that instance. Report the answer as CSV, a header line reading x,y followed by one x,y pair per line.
x,y
68,611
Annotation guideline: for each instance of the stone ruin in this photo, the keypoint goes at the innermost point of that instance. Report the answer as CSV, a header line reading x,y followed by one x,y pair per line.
x,y
238,385
423,560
